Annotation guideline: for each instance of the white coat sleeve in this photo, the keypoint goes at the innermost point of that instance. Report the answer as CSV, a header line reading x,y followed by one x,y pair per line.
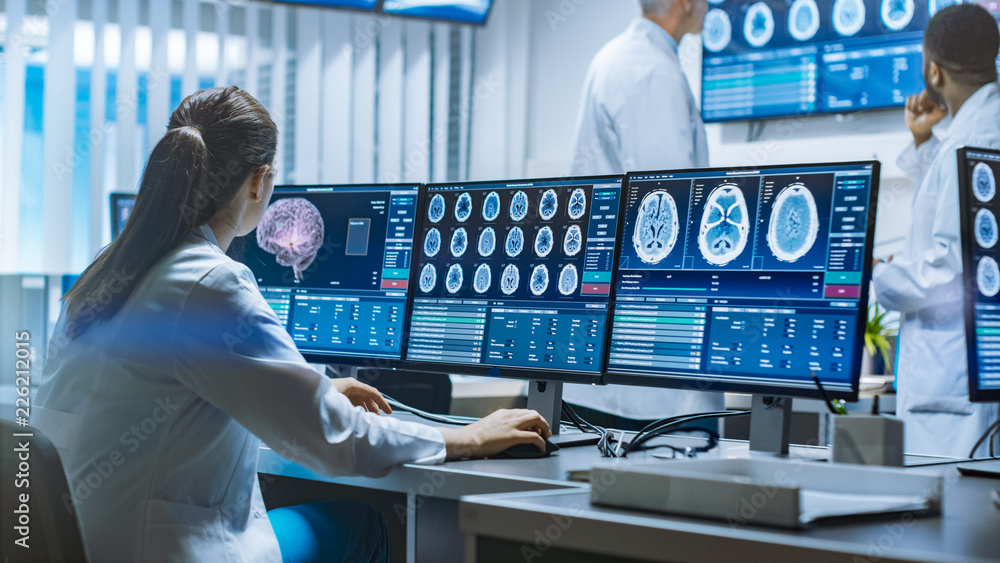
x,y
655,125
231,350
914,161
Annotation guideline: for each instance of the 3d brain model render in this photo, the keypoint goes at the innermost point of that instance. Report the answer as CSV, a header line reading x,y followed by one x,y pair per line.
x,y
292,230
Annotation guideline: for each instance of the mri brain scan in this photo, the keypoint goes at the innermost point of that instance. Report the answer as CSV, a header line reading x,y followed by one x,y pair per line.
x,y
718,30
487,242
454,281
986,228
988,276
432,242
539,279
292,230
568,280
724,225
984,186
548,205
491,206
896,14
759,25
459,242
577,204
435,211
515,242
519,206
543,242
428,278
794,223
481,282
573,241
509,279
656,227
848,16
463,207
803,19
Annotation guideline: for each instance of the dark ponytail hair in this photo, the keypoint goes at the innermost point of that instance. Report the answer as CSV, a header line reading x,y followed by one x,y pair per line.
x,y
216,140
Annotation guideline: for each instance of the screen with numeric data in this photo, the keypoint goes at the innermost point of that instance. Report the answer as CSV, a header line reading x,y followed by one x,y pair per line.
x,y
744,280
515,276
977,171
333,262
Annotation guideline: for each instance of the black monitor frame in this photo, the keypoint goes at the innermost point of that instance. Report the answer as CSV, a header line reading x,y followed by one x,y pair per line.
x,y
692,381
969,282
115,198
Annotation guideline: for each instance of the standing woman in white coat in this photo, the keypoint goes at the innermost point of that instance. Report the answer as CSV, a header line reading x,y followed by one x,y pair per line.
x,y
925,282
168,368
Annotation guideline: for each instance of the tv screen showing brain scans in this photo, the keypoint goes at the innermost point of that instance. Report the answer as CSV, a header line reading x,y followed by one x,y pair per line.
x,y
515,275
334,264
744,280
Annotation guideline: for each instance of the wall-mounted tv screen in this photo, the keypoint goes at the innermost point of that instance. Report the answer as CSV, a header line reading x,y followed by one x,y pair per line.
x,y
458,11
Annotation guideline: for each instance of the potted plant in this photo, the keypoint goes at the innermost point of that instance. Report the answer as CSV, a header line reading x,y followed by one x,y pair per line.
x,y
878,331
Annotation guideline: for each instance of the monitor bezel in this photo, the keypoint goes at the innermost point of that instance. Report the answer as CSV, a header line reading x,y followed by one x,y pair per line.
x,y
510,372
966,225
690,381
486,17
115,197
308,4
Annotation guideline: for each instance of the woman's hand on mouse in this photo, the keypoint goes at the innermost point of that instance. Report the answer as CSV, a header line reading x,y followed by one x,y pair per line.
x,y
495,433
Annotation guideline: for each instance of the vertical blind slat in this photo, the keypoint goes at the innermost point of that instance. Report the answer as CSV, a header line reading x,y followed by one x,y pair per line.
x,y
158,93
279,69
441,74
307,107
192,18
252,30
337,87
98,96
465,101
13,109
390,105
363,135
417,148
126,97
222,9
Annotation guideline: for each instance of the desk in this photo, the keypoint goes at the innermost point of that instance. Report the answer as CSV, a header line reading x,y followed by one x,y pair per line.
x,y
554,526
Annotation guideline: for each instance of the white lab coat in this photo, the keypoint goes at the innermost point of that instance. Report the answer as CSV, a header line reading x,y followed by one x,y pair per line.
x,y
638,113
158,416
925,285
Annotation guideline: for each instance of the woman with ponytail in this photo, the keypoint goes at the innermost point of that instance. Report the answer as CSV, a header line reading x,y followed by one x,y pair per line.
x,y
167,369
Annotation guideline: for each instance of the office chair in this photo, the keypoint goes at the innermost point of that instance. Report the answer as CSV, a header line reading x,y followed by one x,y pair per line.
x,y
429,392
54,532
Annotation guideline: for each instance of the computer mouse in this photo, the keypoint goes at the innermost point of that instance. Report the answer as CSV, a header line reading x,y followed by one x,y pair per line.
x,y
525,451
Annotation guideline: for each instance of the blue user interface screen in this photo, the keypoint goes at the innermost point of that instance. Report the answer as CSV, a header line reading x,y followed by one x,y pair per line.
x,y
333,262
515,274
462,11
982,274
745,278
121,209
354,4
791,57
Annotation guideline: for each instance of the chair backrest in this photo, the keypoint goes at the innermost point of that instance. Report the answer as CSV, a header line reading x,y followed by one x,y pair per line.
x,y
429,392
30,466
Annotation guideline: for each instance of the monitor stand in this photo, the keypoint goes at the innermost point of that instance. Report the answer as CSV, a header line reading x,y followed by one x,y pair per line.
x,y
770,424
546,398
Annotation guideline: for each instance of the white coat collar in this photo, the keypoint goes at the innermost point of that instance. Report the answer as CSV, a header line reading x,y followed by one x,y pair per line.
x,y
969,112
206,233
656,34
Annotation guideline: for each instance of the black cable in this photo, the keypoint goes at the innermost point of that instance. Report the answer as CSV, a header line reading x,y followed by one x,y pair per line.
x,y
986,435
670,425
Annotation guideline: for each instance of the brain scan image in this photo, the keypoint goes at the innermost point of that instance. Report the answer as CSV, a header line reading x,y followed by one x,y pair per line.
x,y
481,282
933,6
539,279
491,206
548,205
984,186
432,242
794,223
509,279
292,230
487,242
803,19
568,279
988,276
519,206
459,242
656,227
577,204
986,228
428,278
725,226
463,207
718,30
543,242
573,241
515,242
454,281
759,25
896,14
435,211
848,16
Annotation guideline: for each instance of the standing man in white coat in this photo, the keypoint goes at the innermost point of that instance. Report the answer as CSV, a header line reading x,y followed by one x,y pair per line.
x,y
925,282
638,113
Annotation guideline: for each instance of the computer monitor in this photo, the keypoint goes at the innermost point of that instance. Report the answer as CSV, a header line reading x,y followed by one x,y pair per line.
x,y
334,264
977,191
121,208
457,11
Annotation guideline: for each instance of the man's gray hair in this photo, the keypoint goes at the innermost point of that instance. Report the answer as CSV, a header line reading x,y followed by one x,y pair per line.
x,y
655,7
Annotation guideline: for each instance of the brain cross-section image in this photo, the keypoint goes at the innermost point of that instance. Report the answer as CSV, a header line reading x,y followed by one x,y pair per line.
x,y
543,242
491,206
292,230
548,205
519,206
453,281
428,278
482,279
724,225
515,242
568,280
435,211
848,16
988,276
509,279
573,241
459,242
539,279
463,207
794,223
984,185
577,204
986,228
487,242
656,227
432,242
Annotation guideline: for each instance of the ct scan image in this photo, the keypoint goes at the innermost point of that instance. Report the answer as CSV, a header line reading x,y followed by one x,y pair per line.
x,y
539,279
725,225
515,242
577,205
984,185
509,279
491,206
519,206
573,241
988,276
803,19
656,227
568,280
848,16
435,211
487,242
459,242
428,278
482,279
432,242
758,27
718,30
543,242
453,282
986,228
794,223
